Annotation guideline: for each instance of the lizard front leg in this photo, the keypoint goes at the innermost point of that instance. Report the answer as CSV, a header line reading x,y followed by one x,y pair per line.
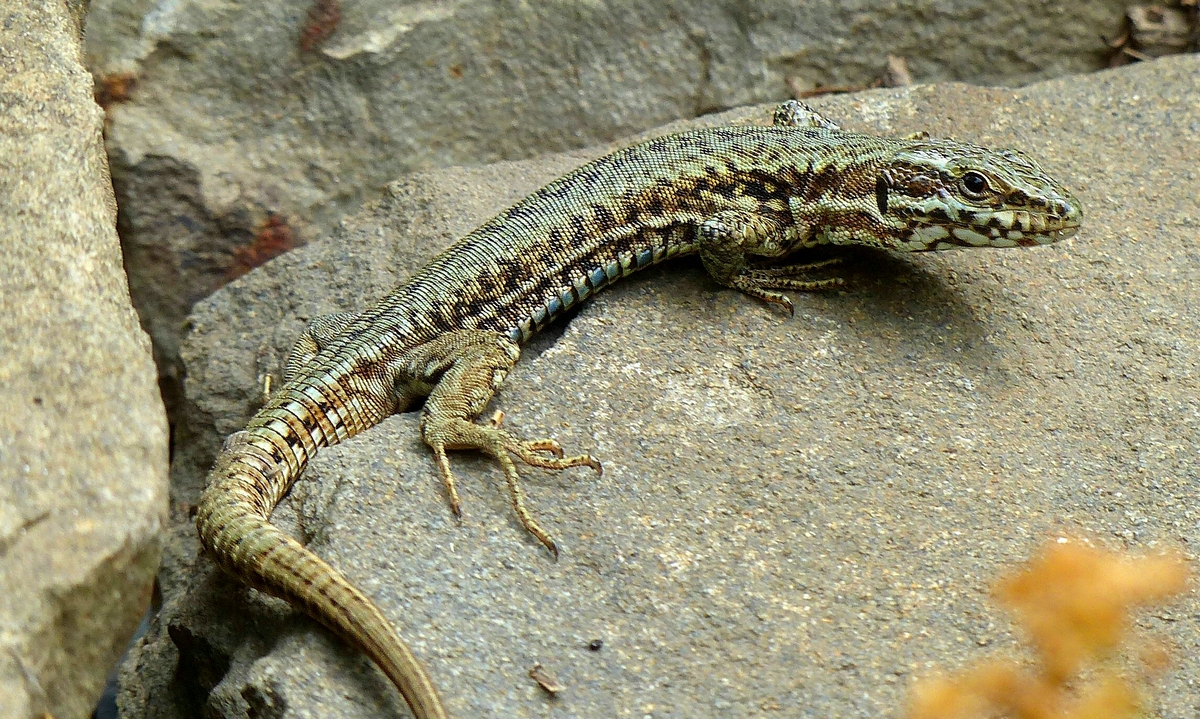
x,y
465,369
729,238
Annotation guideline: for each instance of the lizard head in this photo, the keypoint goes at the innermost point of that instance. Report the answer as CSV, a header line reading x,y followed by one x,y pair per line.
x,y
935,195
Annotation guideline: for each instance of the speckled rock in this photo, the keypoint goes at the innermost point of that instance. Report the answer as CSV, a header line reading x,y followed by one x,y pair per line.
x,y
83,437
797,515
235,137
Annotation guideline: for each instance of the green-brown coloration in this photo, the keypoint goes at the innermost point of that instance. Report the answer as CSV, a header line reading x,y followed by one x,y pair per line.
x,y
452,332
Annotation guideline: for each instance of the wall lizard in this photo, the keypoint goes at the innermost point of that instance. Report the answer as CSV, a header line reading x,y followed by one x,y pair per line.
x,y
741,197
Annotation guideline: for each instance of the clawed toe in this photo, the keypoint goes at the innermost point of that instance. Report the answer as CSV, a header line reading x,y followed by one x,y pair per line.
x,y
534,453
503,447
792,283
793,270
541,445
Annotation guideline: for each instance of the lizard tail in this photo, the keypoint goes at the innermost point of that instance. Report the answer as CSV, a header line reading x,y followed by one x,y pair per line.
x,y
245,486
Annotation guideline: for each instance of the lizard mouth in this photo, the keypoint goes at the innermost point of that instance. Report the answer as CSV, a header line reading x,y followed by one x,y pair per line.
x,y
1031,239
1024,228
1046,238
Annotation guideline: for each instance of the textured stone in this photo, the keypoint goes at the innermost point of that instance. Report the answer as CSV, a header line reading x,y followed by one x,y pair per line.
x,y
797,515
230,120
83,437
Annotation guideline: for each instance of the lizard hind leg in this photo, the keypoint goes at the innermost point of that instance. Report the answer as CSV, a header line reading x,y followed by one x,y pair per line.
x,y
320,332
468,367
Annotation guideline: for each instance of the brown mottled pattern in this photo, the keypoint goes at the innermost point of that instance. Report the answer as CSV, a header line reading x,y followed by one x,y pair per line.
x,y
758,190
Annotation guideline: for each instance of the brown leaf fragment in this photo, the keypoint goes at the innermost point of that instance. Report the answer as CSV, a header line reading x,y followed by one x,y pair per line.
x,y
1156,30
544,679
1153,31
895,72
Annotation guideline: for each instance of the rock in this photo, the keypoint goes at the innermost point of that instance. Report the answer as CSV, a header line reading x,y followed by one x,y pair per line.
x,y
232,128
797,515
83,437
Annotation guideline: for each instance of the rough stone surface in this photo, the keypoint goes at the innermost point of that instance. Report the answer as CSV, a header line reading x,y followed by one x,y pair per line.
x,y
798,515
83,437
231,120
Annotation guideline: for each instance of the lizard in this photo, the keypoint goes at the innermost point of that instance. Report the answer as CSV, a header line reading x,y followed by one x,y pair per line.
x,y
742,197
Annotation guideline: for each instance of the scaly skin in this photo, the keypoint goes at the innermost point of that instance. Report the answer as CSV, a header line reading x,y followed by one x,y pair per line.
x,y
734,195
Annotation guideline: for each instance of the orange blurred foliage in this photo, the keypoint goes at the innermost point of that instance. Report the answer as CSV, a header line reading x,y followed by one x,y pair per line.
x,y
1073,601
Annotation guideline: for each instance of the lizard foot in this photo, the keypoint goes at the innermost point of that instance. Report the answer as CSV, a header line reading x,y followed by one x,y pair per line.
x,y
502,446
757,283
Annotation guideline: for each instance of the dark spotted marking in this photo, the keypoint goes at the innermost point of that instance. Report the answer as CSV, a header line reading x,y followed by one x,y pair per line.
x,y
881,194
605,220
821,181
938,214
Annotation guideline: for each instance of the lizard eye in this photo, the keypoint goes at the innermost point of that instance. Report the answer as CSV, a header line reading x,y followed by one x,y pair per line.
x,y
974,184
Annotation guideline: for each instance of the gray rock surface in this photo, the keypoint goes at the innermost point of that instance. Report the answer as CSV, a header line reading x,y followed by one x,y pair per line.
x,y
83,437
230,120
798,515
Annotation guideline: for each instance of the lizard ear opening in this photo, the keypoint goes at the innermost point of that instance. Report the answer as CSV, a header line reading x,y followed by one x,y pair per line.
x,y
881,192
